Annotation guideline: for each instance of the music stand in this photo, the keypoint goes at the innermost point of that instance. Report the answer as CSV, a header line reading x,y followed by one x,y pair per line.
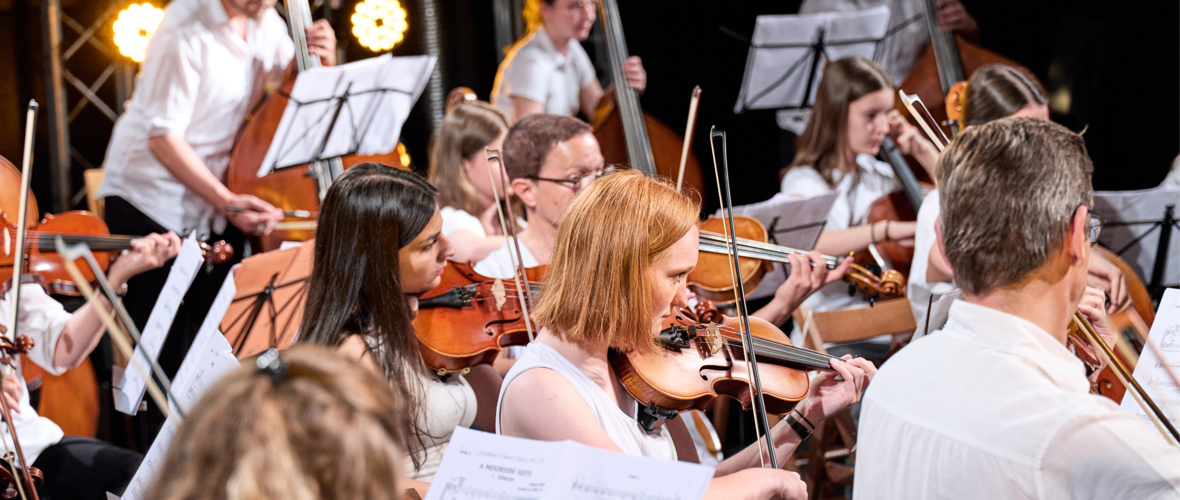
x,y
790,221
337,111
1139,229
788,53
268,307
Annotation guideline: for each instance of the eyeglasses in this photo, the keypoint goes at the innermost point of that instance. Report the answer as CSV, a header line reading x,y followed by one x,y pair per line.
x,y
577,182
1096,222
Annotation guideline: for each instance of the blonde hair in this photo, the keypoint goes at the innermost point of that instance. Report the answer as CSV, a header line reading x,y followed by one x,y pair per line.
x,y
464,133
532,14
327,429
598,291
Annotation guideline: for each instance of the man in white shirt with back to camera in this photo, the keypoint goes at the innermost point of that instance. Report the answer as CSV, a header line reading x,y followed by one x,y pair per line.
x,y
994,405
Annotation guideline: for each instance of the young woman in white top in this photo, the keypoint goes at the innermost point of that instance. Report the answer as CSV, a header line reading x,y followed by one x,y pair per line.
x,y
379,243
548,71
612,283
853,113
459,170
994,91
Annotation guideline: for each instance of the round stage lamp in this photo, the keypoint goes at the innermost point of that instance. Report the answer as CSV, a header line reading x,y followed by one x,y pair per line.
x,y
134,27
379,25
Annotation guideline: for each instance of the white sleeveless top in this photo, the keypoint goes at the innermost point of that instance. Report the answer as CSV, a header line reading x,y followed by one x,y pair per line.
x,y
621,427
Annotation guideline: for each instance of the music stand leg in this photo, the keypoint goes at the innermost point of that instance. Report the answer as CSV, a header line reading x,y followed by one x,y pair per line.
x,y
1161,256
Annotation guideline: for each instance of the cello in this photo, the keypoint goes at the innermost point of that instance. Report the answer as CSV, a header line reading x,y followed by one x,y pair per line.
x,y
625,133
294,190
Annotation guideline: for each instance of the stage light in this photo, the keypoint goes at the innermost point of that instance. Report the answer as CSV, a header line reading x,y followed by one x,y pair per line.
x,y
134,27
403,155
379,25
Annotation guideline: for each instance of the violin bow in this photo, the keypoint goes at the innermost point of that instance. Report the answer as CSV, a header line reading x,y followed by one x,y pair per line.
x,y
69,256
912,103
1154,413
18,265
761,423
692,121
524,291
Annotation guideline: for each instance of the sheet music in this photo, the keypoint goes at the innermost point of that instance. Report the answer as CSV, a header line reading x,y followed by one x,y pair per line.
x,y
483,466
381,91
790,221
1151,372
779,65
208,360
129,389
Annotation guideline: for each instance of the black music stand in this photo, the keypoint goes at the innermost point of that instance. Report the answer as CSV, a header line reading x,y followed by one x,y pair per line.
x,y
355,108
1133,232
788,54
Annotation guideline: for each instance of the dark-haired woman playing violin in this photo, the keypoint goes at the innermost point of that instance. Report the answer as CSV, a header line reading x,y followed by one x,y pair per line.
x,y
379,244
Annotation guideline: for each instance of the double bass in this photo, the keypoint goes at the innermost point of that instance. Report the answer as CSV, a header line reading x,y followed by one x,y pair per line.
x,y
625,133
294,190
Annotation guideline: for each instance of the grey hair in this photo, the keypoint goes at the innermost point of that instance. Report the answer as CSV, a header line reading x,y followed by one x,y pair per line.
x,y
1009,189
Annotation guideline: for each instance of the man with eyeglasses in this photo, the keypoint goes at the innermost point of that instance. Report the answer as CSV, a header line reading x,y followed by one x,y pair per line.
x,y
548,159
548,71
994,405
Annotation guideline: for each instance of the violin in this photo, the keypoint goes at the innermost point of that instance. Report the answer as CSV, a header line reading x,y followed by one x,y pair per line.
x,y
712,277
14,479
625,133
469,318
701,358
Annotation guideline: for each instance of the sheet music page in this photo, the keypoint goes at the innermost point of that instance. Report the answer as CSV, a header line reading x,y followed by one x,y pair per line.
x,y
381,91
205,366
480,466
129,391
1152,371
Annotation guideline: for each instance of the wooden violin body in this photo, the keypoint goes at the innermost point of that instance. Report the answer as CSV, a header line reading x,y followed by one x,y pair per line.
x,y
469,318
698,362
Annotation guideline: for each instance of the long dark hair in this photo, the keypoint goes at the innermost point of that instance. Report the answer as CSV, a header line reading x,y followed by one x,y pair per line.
x,y
997,91
370,213
824,140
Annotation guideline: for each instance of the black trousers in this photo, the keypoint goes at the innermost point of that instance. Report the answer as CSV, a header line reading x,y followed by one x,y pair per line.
x,y
84,469
144,289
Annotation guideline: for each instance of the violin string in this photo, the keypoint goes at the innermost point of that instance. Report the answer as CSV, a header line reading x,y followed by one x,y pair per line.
x,y
793,354
766,250
786,350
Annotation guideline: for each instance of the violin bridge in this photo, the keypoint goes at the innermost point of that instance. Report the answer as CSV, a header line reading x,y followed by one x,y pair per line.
x,y
713,338
500,294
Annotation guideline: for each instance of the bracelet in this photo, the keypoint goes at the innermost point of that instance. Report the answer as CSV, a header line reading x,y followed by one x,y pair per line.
x,y
799,428
122,291
887,238
872,234
809,424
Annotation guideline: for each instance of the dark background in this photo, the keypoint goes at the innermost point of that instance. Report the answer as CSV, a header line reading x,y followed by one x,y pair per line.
x,y
1120,64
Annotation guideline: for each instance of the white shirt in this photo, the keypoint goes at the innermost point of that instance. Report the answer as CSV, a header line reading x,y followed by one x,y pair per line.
x,y
856,193
42,319
199,80
992,406
455,219
449,404
499,263
621,426
535,70
917,289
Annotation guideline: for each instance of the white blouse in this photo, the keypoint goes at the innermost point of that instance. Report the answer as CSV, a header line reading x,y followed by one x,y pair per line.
x,y
449,404
855,195
535,70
